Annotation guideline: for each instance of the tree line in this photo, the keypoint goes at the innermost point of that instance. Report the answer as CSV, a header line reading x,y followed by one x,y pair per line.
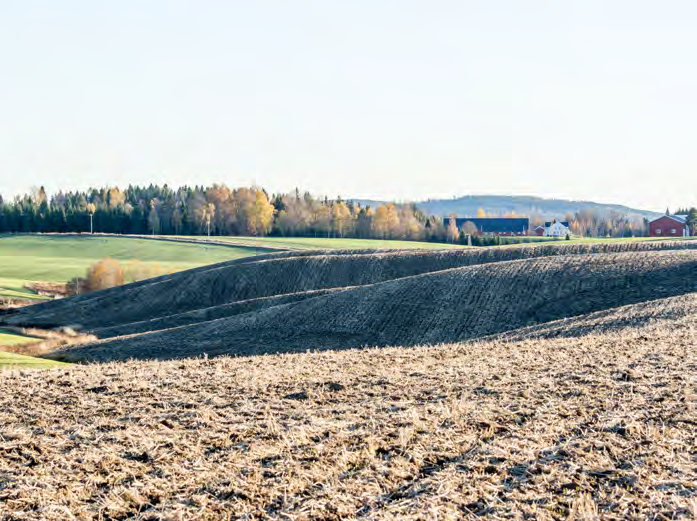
x,y
212,210
691,218
252,211
590,223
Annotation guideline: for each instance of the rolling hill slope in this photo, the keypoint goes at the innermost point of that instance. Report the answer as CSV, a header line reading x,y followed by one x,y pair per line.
x,y
280,274
439,307
587,417
522,205
295,301
655,313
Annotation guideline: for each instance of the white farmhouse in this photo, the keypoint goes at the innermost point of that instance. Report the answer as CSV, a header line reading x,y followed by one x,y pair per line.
x,y
557,229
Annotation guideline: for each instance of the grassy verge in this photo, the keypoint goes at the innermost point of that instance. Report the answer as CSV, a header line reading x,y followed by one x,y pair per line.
x,y
311,243
314,243
589,240
15,361
10,339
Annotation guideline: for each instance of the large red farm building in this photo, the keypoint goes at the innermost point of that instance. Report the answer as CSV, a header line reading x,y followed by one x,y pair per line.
x,y
670,226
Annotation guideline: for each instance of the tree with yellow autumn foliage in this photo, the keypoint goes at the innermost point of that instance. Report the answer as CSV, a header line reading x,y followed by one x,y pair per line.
x,y
107,273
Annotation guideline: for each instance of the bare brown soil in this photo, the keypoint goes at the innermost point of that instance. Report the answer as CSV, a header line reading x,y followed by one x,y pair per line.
x,y
654,313
280,274
439,307
597,426
583,406
207,314
10,304
49,289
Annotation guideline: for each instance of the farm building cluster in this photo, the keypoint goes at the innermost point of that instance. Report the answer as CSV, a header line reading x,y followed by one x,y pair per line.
x,y
554,229
664,226
509,226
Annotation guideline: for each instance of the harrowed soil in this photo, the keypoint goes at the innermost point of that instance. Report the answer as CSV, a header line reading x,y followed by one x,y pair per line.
x,y
597,425
296,301
549,382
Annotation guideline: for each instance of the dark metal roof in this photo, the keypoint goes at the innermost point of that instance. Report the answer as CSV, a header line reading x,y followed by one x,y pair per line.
x,y
494,224
548,224
679,218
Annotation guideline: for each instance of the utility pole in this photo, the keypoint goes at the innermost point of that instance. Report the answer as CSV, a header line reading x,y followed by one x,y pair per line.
x,y
254,234
91,208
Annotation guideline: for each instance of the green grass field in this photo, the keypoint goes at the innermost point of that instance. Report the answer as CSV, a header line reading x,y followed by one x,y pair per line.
x,y
324,243
9,339
54,258
13,361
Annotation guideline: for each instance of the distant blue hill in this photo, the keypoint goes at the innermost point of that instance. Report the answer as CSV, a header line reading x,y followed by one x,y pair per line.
x,y
467,206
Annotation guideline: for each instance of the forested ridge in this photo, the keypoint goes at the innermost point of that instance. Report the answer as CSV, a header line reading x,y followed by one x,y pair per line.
x,y
214,210
251,211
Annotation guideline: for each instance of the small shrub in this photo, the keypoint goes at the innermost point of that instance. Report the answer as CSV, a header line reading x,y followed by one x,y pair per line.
x,y
107,273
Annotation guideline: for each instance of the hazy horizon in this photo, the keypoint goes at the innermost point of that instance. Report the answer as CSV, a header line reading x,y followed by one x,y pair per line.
x,y
398,100
348,197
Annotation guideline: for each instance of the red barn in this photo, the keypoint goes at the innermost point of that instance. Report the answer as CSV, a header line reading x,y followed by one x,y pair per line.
x,y
670,226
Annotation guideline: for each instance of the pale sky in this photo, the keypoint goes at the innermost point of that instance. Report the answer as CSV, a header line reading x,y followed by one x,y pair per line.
x,y
384,99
